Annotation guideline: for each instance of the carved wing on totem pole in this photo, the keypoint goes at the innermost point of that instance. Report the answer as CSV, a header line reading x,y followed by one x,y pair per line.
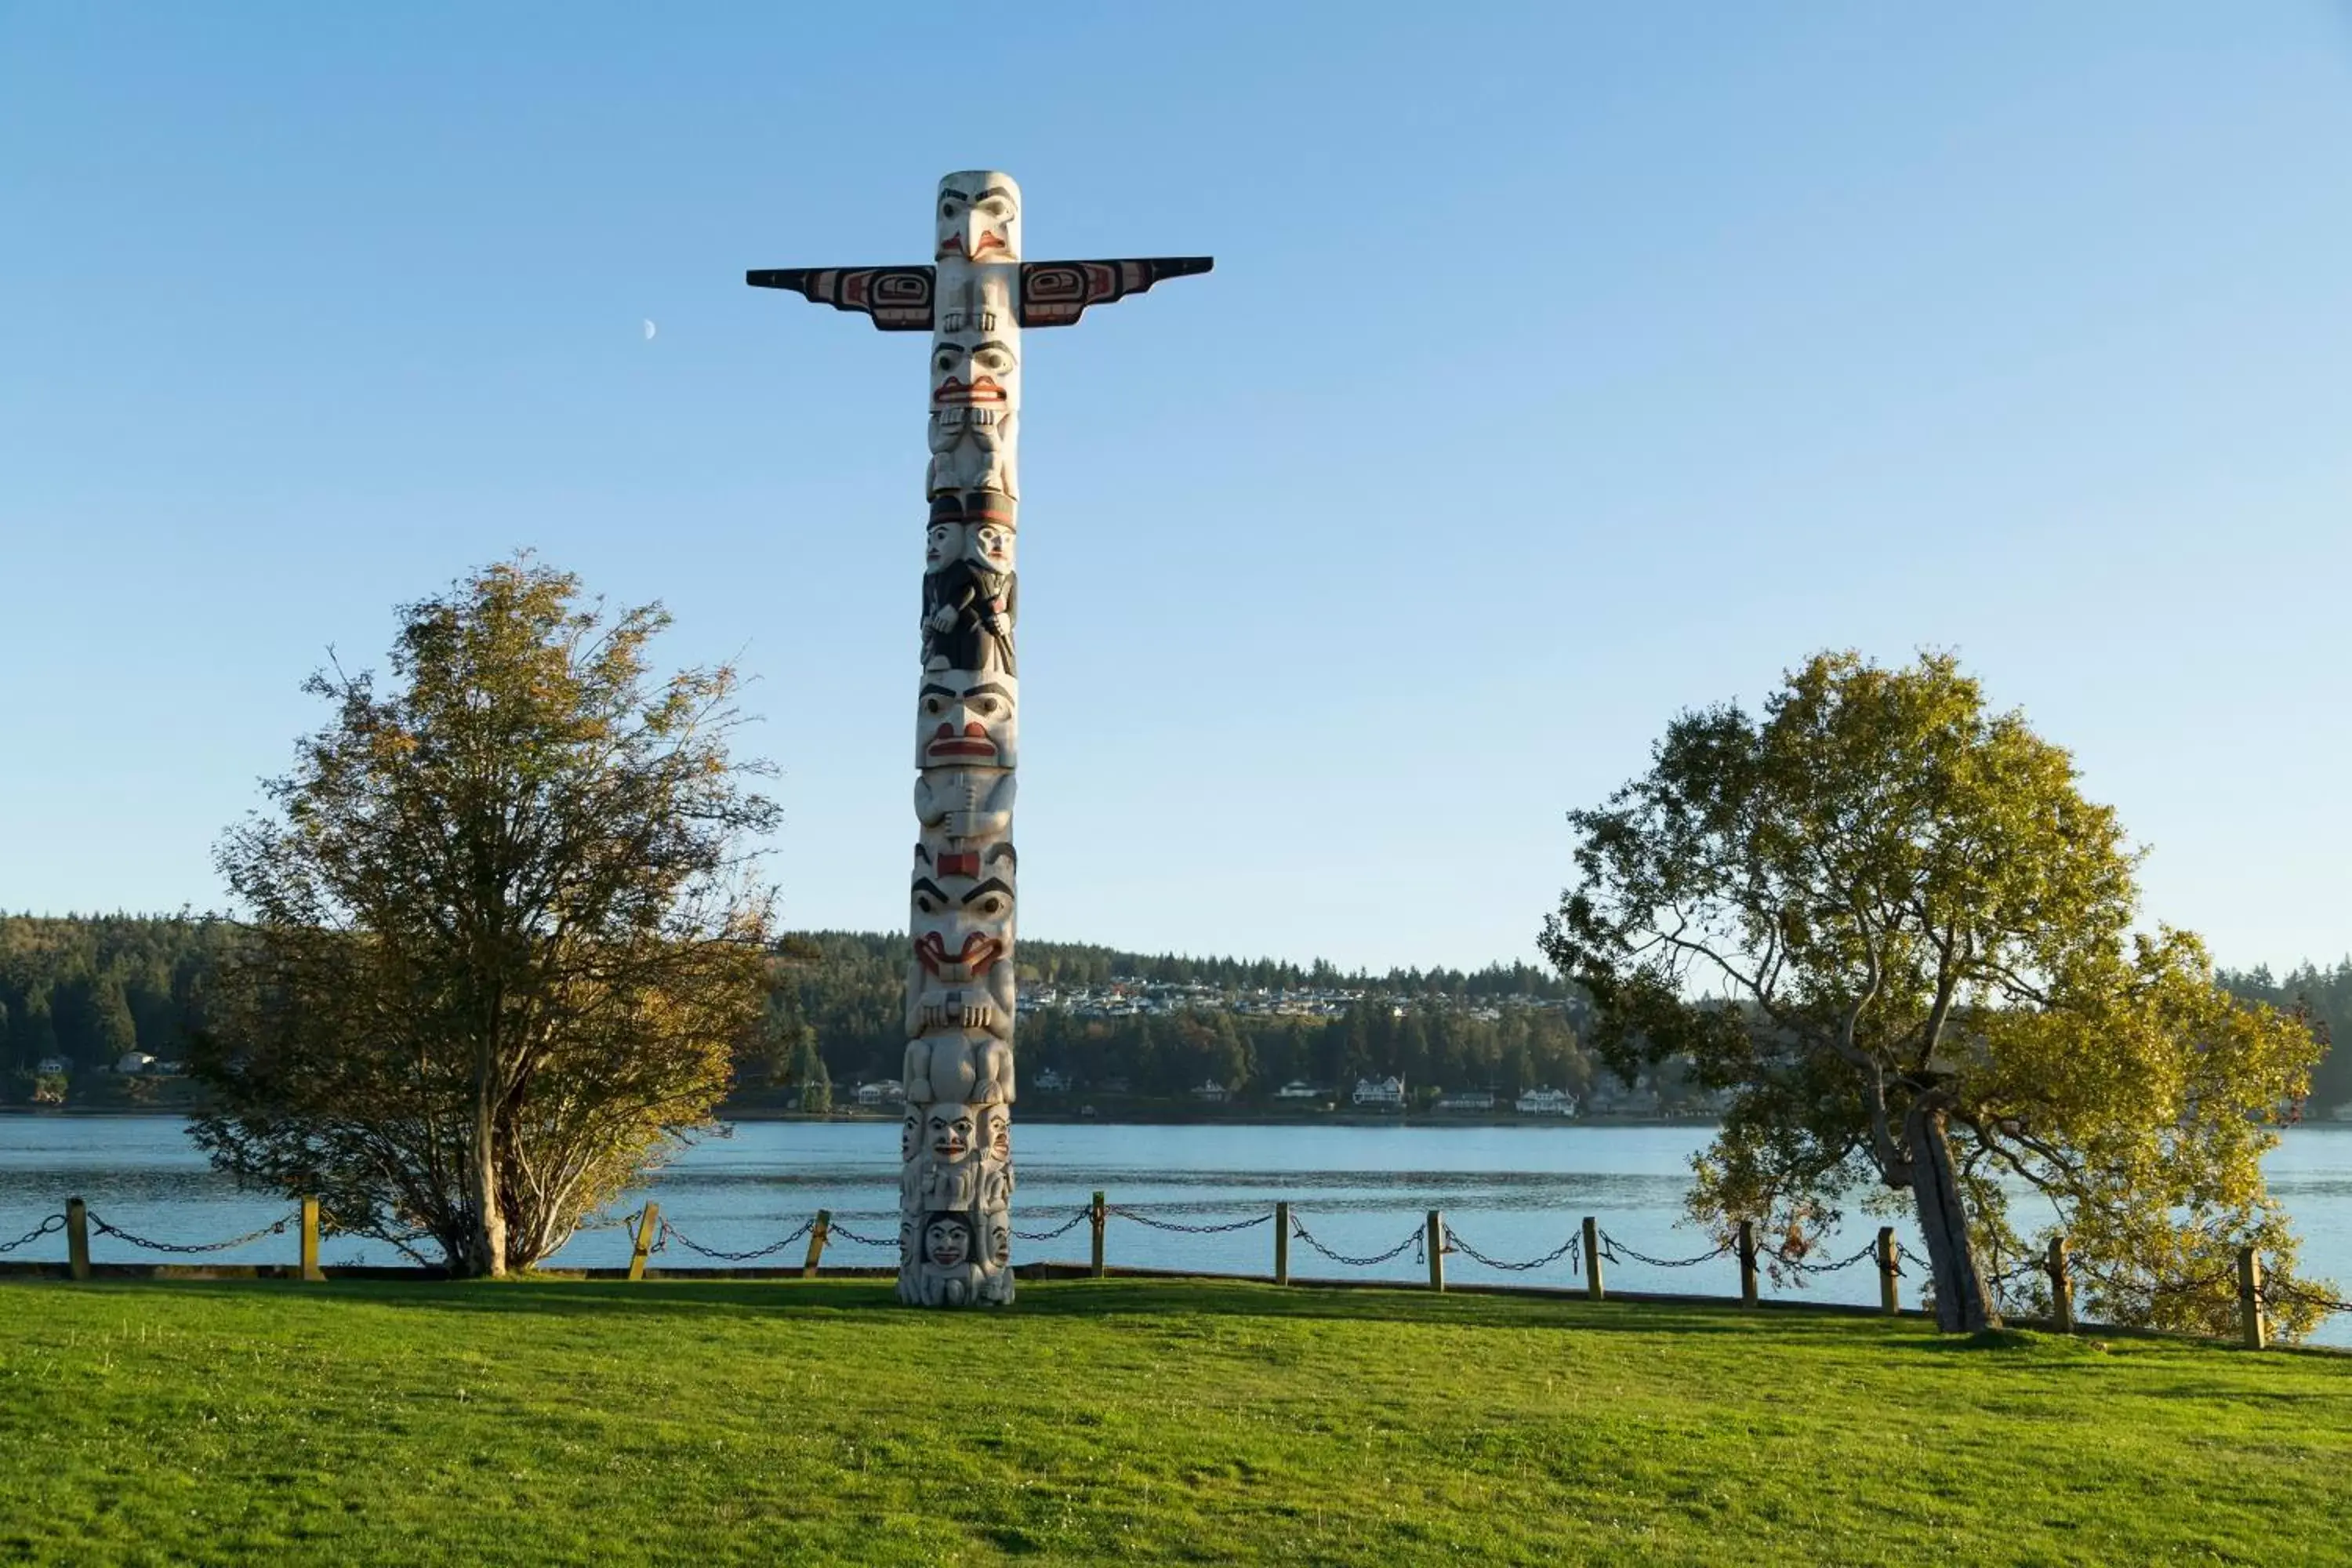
x,y
1052,293
897,298
1055,294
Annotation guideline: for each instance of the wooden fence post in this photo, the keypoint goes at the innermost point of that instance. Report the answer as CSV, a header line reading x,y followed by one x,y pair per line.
x,y
1096,1216
1591,1258
2250,1298
1748,1263
1889,1298
816,1243
77,1238
2062,1289
648,1226
310,1270
1436,1246
1282,1243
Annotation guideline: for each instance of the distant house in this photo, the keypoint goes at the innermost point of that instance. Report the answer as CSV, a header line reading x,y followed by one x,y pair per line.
x,y
1380,1094
1050,1081
1547,1103
1211,1093
132,1063
1297,1091
887,1092
52,1066
1117,1084
1467,1099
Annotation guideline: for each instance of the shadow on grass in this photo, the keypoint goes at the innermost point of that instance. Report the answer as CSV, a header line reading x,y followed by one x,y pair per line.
x,y
1166,1301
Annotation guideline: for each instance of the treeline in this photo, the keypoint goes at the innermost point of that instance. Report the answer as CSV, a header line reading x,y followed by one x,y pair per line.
x,y
85,990
2327,992
849,988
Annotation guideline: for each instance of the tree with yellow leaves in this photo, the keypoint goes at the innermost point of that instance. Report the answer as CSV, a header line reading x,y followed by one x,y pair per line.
x,y
501,936
1887,921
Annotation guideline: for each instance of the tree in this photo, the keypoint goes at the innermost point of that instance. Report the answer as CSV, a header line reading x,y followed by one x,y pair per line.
x,y
503,934
810,1078
1887,919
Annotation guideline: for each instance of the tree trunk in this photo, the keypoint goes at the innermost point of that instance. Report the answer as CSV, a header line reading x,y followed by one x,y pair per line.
x,y
482,1179
1963,1306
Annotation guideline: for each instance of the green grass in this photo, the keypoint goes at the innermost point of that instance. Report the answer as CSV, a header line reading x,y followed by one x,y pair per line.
x,y
556,1420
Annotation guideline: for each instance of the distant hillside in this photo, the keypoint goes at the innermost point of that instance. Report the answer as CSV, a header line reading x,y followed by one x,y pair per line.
x,y
84,990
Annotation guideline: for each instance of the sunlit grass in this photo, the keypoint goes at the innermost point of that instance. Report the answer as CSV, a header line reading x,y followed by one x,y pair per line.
x,y
1122,1421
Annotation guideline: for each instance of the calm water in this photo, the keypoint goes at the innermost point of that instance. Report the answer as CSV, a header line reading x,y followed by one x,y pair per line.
x,y
1513,1192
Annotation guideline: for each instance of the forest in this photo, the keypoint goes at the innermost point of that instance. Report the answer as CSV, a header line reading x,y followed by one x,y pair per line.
x,y
77,992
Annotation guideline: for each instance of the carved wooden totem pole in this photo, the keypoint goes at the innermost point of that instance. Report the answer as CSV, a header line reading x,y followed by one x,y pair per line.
x,y
956,1188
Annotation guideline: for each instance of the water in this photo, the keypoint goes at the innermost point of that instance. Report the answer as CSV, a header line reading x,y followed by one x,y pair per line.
x,y
1513,1192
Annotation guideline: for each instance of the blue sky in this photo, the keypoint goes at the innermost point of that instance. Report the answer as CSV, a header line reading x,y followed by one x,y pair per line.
x,y
1563,367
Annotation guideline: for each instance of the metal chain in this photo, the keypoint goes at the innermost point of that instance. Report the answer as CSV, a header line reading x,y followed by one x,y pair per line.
x,y
1572,1249
1616,1251
670,1231
50,1226
2002,1279
1139,1218
2296,1294
836,1228
186,1249
625,1222
1299,1228
1800,1266
2162,1287
1064,1229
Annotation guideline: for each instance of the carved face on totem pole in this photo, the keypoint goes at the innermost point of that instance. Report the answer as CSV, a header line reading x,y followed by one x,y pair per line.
x,y
948,1133
967,719
963,925
976,526
1000,1238
947,1240
979,217
910,1134
992,1128
974,378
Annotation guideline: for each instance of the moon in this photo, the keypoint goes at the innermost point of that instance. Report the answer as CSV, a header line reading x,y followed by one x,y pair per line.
x,y
650,331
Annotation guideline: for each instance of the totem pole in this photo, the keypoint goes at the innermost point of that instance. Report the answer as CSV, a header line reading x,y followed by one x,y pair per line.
x,y
955,1190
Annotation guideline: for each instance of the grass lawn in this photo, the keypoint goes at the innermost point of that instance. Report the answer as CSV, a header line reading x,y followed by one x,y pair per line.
x,y
554,1421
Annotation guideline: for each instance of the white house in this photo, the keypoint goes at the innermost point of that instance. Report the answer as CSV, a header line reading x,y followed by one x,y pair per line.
x,y
1297,1091
1210,1093
52,1066
1050,1081
887,1092
132,1063
1467,1099
1385,1094
1547,1103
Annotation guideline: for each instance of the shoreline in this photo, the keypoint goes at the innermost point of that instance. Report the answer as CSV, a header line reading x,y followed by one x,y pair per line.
x,y
1137,1117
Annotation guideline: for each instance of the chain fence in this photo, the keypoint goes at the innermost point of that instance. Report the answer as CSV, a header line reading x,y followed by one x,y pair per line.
x,y
1782,1259
1616,1251
670,1233
1141,1218
838,1231
1411,1243
1062,1229
1572,1249
189,1249
50,1226
2269,1294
